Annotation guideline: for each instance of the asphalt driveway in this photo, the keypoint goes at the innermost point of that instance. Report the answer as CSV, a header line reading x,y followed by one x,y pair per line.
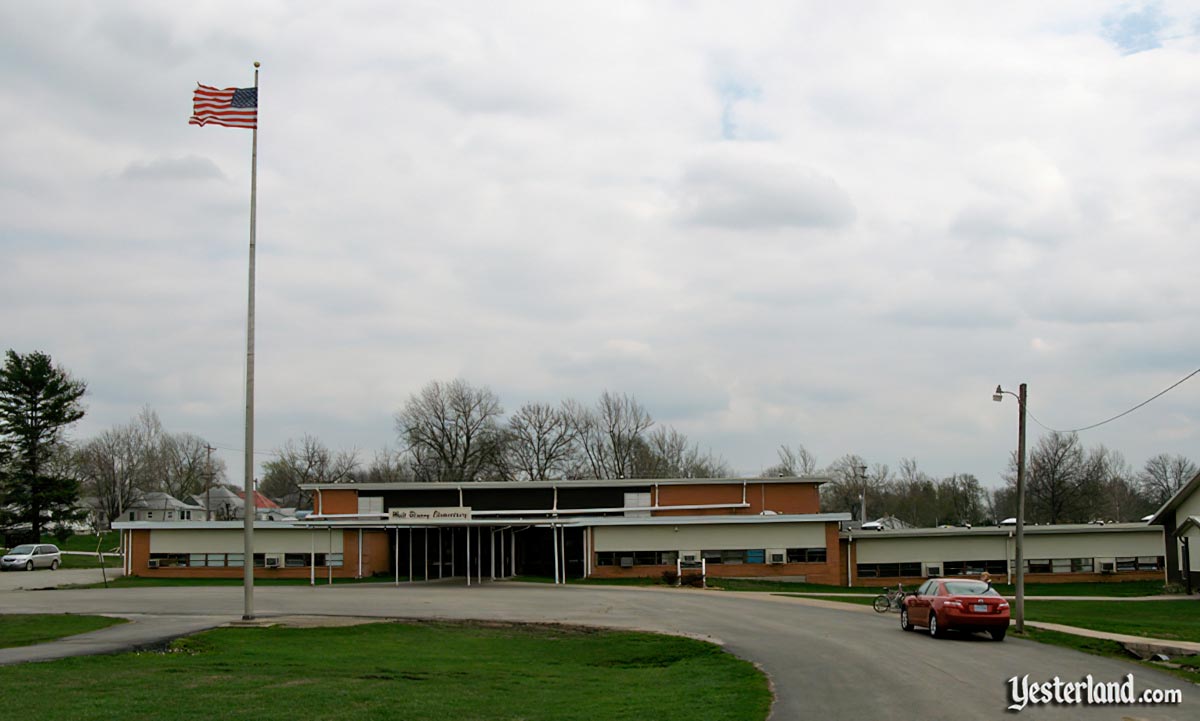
x,y
825,660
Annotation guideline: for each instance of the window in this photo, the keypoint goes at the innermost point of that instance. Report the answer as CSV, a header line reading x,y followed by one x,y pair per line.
x,y
889,570
973,568
639,558
969,588
1149,563
1127,564
295,560
806,555
168,560
1037,565
734,556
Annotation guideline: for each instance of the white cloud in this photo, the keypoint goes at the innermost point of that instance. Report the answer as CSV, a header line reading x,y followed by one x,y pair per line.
x,y
782,223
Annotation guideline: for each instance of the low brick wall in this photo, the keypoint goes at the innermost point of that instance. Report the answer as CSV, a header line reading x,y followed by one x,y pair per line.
x,y
913,582
811,572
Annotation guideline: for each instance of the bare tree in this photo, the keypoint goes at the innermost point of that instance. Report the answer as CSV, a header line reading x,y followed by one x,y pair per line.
x,y
667,453
611,435
541,441
387,466
309,462
1057,484
960,499
793,462
185,465
1163,475
914,495
451,432
849,483
123,462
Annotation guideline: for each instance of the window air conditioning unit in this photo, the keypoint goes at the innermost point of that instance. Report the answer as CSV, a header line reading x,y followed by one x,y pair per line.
x,y
689,556
626,561
152,563
271,561
776,555
1108,566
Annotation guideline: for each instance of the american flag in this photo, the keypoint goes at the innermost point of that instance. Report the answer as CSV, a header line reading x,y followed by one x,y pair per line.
x,y
231,107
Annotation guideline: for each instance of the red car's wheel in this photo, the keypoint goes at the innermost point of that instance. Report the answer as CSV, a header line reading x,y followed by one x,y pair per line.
x,y
998,634
935,628
904,622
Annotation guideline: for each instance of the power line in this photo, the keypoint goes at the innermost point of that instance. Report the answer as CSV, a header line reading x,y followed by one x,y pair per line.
x,y
1119,415
242,450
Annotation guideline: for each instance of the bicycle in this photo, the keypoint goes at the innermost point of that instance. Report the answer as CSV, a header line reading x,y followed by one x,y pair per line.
x,y
890,600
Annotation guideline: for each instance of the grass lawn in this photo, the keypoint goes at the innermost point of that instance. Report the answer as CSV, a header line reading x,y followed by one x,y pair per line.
x,y
1112,589
73,561
143,582
79,542
841,598
632,581
1186,668
432,672
1172,620
747,584
25,630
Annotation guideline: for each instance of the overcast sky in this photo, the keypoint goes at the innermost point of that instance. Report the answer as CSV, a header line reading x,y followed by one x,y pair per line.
x,y
839,225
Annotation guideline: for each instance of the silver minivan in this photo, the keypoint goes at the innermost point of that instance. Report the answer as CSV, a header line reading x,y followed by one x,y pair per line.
x,y
30,556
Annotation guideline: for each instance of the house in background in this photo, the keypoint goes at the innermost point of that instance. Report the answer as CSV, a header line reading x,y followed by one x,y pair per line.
x,y
227,504
1180,519
159,506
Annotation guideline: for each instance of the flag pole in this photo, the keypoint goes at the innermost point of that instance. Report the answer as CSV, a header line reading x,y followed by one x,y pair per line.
x,y
249,508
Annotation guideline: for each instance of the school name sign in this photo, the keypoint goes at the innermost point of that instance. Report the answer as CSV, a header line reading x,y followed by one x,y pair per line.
x,y
429,515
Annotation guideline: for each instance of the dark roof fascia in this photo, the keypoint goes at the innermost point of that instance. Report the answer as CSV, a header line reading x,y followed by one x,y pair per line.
x,y
1001,531
588,483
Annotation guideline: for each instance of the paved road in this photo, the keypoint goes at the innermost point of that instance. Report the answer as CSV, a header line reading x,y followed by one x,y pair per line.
x,y
826,660
44,578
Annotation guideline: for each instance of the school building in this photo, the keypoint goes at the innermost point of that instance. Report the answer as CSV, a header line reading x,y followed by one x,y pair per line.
x,y
570,529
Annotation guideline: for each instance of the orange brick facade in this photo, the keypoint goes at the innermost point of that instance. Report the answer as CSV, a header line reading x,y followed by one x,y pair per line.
x,y
783,498
375,560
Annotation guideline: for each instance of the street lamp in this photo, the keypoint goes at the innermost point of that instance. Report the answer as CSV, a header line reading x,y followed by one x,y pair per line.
x,y
862,474
1019,609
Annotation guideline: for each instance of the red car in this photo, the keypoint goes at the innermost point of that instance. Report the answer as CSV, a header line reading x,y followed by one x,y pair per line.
x,y
964,604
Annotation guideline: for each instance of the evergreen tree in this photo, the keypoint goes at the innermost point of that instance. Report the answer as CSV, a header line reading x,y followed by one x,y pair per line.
x,y
37,402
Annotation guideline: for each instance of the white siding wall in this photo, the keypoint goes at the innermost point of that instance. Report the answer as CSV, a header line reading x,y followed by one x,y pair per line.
x,y
710,537
1189,507
231,541
994,547
899,550
1094,545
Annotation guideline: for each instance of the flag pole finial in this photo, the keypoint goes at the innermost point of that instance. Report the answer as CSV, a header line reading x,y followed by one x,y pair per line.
x,y
257,64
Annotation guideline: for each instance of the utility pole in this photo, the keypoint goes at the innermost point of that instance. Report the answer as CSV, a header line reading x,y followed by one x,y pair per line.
x,y
208,478
1019,536
1020,539
862,473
